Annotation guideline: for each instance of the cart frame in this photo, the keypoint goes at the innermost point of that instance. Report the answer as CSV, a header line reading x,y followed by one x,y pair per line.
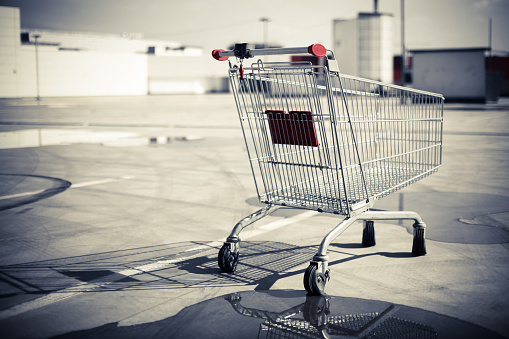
x,y
321,140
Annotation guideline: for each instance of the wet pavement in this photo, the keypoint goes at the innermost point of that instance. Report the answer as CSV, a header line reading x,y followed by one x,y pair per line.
x,y
112,211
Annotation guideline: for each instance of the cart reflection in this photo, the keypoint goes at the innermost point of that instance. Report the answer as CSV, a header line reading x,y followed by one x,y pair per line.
x,y
313,319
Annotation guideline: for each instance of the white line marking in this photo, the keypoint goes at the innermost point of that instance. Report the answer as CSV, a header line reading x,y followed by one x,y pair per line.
x,y
20,195
260,230
277,224
85,287
83,184
102,181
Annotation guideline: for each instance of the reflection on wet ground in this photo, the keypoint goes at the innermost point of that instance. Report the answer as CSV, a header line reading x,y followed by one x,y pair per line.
x,y
292,314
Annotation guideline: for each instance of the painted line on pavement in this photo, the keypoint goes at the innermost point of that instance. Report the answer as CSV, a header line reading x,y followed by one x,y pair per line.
x,y
19,195
79,185
102,181
260,230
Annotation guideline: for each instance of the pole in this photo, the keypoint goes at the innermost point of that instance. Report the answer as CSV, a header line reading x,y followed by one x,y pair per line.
x,y
403,56
489,37
37,64
265,32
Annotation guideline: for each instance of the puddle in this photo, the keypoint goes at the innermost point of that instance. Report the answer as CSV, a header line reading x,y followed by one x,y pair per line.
x,y
50,137
290,314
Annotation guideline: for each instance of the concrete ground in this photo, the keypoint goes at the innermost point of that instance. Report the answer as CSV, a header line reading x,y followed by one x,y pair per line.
x,y
112,211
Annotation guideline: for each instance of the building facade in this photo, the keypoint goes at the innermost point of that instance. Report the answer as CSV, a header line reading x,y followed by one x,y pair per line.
x,y
45,63
363,46
458,74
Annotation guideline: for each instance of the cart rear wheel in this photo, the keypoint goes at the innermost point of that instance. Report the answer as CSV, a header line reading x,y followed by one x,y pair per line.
x,y
314,282
419,244
227,260
368,234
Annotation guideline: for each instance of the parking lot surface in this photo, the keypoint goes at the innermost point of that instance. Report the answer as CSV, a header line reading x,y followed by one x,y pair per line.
x,y
113,210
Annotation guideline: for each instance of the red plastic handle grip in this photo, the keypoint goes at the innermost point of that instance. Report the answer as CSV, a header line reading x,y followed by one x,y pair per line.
x,y
317,50
215,55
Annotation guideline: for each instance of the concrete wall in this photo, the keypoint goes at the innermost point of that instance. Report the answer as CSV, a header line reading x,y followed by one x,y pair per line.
x,y
61,72
363,46
9,50
459,75
386,48
83,64
80,73
186,74
346,45
375,47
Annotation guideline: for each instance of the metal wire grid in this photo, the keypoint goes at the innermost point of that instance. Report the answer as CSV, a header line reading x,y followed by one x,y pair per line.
x,y
347,326
371,139
398,131
282,170
288,329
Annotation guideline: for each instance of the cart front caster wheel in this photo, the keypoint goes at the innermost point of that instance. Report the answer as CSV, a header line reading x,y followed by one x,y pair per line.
x,y
314,282
227,260
368,234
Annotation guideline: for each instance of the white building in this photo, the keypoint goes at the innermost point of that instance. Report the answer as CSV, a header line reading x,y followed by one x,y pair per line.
x,y
45,63
459,74
363,46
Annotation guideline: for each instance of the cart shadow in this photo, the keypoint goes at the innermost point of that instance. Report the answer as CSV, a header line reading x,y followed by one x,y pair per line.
x,y
47,276
384,254
267,282
261,265
170,266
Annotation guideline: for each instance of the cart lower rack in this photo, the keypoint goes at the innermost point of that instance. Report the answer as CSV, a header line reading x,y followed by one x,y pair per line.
x,y
321,140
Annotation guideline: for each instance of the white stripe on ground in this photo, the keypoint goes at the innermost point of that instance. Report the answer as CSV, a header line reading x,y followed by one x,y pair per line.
x,y
99,182
260,230
86,287
20,195
83,184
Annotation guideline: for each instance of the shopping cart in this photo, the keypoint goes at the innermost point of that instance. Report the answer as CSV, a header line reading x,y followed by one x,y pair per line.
x,y
321,140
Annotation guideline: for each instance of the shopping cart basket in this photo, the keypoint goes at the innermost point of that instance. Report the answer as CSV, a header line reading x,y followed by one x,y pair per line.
x,y
321,140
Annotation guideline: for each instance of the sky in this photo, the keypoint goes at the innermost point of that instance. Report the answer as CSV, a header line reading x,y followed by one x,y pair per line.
x,y
218,24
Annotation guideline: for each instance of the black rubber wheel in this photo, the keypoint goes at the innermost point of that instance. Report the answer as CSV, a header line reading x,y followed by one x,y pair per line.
x,y
368,234
227,260
314,282
419,244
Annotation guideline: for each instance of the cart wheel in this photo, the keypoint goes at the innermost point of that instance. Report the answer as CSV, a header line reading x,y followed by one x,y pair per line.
x,y
314,282
227,260
419,245
368,234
